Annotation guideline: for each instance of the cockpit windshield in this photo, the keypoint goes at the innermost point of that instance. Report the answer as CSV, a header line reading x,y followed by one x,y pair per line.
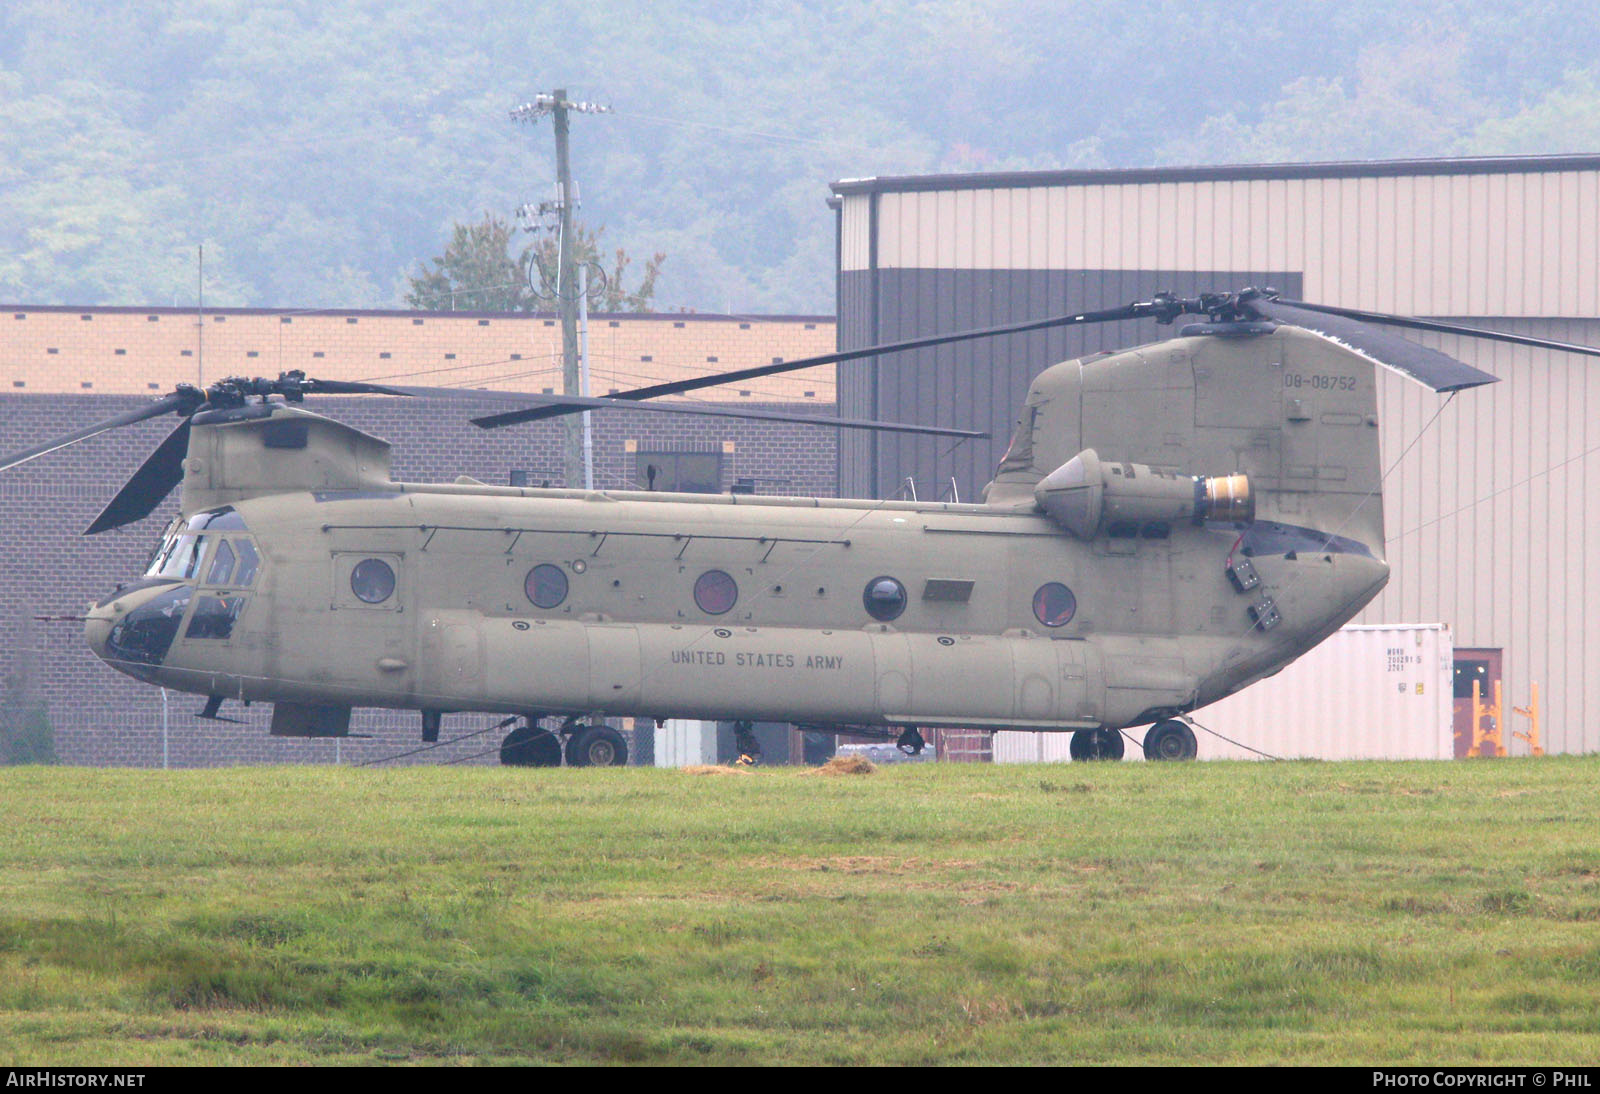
x,y
178,556
184,546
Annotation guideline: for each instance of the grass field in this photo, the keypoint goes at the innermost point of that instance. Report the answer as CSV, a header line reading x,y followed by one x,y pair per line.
x,y
1118,913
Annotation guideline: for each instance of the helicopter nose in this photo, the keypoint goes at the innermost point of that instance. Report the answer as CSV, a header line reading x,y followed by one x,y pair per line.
x,y
96,629
133,628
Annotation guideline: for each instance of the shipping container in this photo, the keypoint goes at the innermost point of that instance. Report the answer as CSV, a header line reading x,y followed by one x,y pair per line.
x,y
1367,693
686,742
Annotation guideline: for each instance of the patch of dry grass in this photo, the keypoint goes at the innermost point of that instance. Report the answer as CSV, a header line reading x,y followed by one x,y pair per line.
x,y
845,765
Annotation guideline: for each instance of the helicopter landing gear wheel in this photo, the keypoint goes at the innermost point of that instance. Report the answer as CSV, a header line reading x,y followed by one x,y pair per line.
x,y
1170,740
911,742
529,746
746,745
597,746
1095,744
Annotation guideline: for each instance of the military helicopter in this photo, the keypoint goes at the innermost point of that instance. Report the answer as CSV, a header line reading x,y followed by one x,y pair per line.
x,y
1171,523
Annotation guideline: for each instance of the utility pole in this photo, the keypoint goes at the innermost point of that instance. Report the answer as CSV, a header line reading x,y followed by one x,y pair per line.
x,y
583,356
558,106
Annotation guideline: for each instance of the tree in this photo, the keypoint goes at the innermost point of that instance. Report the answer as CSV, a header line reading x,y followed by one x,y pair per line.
x,y
614,296
26,736
477,273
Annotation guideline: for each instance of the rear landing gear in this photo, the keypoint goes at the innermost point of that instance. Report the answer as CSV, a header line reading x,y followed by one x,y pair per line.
x,y
1170,740
586,745
1096,744
530,746
596,746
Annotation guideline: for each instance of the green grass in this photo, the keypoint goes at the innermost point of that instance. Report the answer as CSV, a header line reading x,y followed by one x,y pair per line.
x,y
1135,913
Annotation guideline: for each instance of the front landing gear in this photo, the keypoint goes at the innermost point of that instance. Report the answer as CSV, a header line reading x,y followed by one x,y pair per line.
x,y
1170,740
1095,744
910,742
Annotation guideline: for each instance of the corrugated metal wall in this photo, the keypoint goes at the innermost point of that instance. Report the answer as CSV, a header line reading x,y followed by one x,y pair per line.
x,y
1489,497
1489,516
1521,241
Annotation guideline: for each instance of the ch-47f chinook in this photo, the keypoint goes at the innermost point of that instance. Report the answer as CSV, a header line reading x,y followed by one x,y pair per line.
x,y
1170,524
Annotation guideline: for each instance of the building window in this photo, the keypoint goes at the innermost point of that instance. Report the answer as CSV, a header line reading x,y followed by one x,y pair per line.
x,y
682,472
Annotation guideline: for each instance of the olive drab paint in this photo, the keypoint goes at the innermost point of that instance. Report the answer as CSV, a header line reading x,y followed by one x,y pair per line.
x,y
1171,523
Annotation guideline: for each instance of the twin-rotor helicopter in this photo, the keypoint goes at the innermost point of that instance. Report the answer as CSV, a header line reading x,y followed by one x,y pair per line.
x,y
1171,523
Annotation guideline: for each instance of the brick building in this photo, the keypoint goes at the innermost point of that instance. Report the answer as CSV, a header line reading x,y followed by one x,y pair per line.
x,y
63,368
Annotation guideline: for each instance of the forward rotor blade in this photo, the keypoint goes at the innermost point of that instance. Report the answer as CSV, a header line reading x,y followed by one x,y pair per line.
x,y
150,485
164,405
351,387
678,387
574,404
1429,367
1447,328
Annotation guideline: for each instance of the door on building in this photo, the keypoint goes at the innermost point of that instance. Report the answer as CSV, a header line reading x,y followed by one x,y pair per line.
x,y
1482,665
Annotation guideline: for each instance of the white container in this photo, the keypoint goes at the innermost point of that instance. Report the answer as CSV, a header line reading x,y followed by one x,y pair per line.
x,y
1367,693
1032,748
684,742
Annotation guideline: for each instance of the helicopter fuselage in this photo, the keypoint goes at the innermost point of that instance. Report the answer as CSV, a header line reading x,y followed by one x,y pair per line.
x,y
468,597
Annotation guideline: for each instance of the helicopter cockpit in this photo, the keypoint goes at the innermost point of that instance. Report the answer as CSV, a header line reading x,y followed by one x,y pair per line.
x,y
208,560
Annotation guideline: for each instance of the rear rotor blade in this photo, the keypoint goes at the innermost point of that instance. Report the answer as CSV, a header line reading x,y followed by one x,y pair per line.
x,y
1429,367
1446,328
178,400
149,486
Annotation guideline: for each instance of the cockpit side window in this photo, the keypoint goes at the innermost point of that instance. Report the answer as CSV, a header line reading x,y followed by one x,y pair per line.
x,y
214,616
249,563
221,565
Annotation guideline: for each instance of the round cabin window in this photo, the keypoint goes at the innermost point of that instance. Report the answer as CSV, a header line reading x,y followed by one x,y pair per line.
x,y
885,598
1054,605
715,592
546,585
372,580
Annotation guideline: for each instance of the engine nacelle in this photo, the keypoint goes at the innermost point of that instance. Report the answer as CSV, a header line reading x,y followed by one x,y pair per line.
x,y
1085,494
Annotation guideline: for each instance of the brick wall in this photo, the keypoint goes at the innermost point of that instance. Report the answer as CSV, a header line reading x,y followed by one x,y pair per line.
x,y
129,351
48,568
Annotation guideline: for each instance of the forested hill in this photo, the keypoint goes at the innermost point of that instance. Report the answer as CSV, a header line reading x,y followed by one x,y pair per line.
x,y
320,149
